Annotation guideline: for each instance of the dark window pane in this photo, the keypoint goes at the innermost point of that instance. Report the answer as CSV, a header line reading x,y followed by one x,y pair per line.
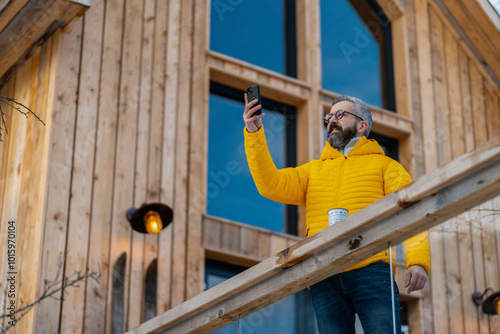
x,y
231,191
405,328
117,311
356,51
293,314
150,285
259,31
389,145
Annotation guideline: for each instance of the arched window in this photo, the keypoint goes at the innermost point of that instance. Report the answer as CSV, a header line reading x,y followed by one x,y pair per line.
x,y
150,290
117,306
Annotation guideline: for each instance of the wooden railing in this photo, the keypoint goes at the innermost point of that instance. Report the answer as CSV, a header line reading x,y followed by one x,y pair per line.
x,y
434,198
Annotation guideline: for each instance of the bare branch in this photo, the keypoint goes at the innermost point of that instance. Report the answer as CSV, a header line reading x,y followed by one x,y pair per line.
x,y
4,124
17,106
51,288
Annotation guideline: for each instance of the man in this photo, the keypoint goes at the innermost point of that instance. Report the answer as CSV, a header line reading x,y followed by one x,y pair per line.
x,y
352,173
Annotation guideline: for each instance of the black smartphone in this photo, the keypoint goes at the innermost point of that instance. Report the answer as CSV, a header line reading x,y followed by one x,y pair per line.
x,y
253,93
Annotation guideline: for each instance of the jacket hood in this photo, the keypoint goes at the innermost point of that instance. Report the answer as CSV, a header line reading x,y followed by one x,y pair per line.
x,y
362,147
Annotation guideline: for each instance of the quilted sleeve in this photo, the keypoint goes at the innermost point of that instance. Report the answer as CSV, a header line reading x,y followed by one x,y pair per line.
x,y
286,185
417,247
417,251
395,177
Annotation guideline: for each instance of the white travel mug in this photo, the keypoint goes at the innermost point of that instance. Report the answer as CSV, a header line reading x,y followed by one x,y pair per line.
x,y
336,215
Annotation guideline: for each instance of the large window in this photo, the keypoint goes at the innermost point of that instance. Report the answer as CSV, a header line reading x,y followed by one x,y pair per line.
x,y
356,51
231,191
291,315
261,32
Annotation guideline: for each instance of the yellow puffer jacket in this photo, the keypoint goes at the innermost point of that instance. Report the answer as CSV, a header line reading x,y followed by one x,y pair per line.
x,y
334,181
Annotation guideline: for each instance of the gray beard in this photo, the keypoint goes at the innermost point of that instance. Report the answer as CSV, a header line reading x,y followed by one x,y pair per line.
x,y
339,140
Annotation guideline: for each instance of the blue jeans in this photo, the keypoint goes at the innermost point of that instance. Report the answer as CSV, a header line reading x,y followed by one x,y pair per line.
x,y
365,291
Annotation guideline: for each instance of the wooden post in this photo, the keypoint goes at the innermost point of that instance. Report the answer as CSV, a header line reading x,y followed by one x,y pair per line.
x,y
79,222
97,305
197,152
124,170
165,249
66,53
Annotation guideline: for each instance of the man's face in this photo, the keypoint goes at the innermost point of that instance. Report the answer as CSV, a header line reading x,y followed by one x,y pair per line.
x,y
340,132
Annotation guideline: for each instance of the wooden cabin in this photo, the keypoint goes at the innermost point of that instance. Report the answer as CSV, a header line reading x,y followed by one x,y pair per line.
x,y
142,102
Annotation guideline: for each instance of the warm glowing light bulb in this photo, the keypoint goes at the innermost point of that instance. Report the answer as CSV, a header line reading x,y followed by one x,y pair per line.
x,y
153,222
496,304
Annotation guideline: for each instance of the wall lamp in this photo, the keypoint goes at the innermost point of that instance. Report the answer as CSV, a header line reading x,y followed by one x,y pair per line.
x,y
491,305
150,218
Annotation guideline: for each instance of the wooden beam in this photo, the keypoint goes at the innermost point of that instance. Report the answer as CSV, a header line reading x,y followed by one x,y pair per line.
x,y
108,83
489,10
465,249
38,179
62,110
136,300
167,189
24,25
152,68
218,234
183,71
466,99
80,202
426,91
9,10
478,31
439,85
392,8
155,148
241,75
126,141
433,199
198,123
417,154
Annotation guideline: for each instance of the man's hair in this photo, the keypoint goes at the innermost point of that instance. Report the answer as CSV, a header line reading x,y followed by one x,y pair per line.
x,y
361,109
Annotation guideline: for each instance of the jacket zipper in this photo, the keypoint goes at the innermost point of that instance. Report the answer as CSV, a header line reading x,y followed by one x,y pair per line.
x,y
341,181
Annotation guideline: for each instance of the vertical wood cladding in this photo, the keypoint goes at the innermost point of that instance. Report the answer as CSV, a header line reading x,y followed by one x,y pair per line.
x,y
124,94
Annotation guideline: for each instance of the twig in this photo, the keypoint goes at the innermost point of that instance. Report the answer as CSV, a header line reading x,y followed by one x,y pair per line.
x,y
15,105
3,122
50,289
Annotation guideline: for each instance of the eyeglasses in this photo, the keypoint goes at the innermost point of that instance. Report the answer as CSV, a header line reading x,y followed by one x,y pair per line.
x,y
338,115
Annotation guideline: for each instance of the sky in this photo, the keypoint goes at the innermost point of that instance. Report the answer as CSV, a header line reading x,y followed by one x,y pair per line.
x,y
496,4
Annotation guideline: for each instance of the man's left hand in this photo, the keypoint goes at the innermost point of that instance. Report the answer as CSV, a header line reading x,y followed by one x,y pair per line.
x,y
416,277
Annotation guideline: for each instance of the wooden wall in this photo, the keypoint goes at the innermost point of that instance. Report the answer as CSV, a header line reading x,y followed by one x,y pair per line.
x,y
122,129
24,167
456,108
124,94
129,122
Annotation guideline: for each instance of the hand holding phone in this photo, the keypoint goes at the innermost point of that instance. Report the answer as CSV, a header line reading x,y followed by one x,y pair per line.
x,y
253,93
251,116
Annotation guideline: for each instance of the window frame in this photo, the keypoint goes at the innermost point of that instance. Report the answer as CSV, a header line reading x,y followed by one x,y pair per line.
x,y
289,43
289,111
387,62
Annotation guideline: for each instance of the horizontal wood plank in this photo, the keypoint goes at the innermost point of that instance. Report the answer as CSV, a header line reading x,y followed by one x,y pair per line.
x,y
240,74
